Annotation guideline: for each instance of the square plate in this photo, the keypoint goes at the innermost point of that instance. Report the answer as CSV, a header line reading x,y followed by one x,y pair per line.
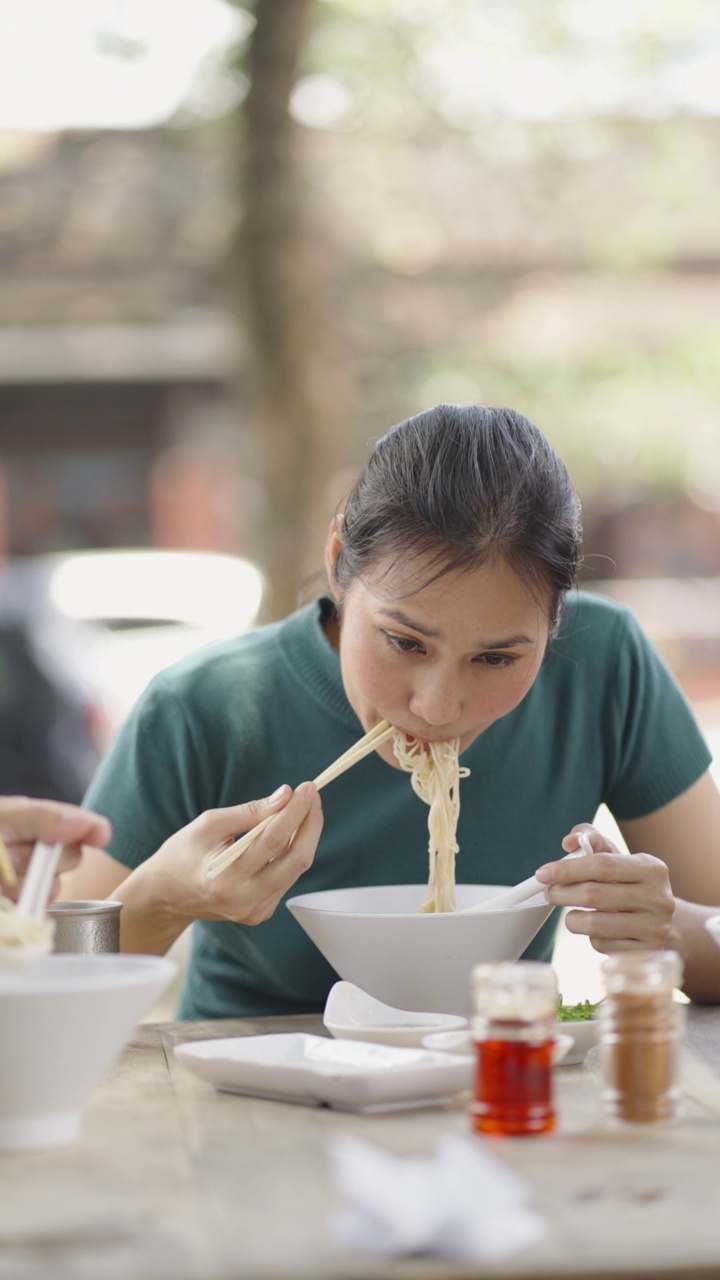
x,y
350,1075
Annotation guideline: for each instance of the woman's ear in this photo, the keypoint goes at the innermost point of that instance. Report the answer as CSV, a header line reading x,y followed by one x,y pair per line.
x,y
333,547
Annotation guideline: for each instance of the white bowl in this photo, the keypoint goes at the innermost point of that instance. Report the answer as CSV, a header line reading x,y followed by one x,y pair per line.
x,y
64,1020
378,938
351,1014
462,1042
583,1035
23,957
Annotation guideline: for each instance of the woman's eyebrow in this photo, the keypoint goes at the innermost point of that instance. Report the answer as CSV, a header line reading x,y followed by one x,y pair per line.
x,y
397,615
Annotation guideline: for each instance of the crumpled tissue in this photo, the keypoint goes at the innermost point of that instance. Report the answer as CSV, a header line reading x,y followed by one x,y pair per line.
x,y
460,1202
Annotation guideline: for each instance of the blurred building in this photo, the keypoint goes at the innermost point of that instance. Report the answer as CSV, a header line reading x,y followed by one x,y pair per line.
x,y
122,370
115,423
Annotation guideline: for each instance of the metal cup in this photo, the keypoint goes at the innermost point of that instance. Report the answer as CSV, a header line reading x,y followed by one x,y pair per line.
x,y
89,927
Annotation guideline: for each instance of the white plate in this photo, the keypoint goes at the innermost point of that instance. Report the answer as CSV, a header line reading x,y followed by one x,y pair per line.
x,y
351,1075
352,1014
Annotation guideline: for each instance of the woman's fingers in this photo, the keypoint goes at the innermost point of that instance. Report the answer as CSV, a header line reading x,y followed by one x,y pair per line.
x,y
627,900
621,930
599,842
249,889
602,868
270,881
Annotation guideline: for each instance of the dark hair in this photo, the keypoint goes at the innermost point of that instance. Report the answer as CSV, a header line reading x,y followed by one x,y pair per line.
x,y
462,485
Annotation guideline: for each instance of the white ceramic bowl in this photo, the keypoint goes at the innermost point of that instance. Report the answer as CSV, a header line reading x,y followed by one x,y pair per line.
x,y
378,938
63,1021
583,1036
351,1014
462,1042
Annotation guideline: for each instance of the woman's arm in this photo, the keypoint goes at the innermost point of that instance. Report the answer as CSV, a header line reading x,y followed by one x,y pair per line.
x,y
686,835
170,889
651,900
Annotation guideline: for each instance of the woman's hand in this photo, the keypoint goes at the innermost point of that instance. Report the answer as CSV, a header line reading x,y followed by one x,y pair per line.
x,y
163,895
627,898
24,820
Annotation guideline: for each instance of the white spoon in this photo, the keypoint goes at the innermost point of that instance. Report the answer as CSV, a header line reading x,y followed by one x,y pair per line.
x,y
526,889
353,1014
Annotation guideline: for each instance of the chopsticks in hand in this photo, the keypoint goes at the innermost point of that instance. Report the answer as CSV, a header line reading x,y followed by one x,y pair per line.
x,y
363,747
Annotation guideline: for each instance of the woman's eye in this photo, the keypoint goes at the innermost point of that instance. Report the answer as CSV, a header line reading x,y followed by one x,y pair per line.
x,y
496,659
402,644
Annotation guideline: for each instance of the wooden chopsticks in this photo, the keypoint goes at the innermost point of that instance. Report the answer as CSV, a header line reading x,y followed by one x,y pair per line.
x,y
7,870
363,747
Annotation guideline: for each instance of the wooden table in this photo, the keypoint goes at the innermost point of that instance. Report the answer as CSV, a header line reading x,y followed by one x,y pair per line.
x,y
174,1181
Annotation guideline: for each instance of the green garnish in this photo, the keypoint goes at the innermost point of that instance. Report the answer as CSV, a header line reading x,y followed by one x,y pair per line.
x,y
581,1012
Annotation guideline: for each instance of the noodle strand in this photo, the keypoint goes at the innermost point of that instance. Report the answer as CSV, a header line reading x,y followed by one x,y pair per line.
x,y
435,777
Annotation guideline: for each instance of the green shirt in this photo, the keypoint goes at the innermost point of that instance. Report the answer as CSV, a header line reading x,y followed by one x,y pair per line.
x,y
604,722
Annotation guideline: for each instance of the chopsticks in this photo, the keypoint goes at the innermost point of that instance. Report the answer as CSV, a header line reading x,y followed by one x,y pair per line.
x,y
363,747
37,884
7,870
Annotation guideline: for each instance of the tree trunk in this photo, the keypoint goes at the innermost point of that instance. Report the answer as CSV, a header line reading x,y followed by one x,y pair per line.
x,y
283,294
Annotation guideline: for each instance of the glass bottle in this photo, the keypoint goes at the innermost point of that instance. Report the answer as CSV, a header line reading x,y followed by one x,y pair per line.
x,y
640,1031
515,1006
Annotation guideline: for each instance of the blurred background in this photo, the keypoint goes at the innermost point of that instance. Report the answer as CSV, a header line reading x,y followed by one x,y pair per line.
x,y
238,241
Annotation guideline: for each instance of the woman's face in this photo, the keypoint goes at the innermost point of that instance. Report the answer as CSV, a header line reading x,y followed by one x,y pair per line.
x,y
445,662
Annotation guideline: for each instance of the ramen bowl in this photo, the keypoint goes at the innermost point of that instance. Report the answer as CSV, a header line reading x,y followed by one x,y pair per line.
x,y
64,1020
377,938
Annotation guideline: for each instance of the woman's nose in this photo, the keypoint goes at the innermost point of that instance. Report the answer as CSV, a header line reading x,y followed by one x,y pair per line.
x,y
436,698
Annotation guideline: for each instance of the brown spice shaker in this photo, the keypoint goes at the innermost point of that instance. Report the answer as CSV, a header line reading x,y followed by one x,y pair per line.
x,y
640,1030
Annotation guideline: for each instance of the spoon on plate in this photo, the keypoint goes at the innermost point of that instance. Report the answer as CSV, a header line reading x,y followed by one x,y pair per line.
x,y
526,889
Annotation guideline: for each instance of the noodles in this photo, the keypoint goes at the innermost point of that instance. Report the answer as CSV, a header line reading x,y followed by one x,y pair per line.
x,y
18,931
436,775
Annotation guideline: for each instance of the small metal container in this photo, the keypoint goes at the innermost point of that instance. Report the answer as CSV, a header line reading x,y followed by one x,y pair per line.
x,y
86,926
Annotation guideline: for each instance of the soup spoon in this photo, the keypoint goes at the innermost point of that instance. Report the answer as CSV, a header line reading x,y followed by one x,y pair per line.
x,y
526,889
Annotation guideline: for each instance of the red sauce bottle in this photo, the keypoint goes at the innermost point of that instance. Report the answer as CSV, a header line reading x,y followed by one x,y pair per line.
x,y
514,1034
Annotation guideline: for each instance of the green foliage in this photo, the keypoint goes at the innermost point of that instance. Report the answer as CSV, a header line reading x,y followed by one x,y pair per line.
x,y
649,415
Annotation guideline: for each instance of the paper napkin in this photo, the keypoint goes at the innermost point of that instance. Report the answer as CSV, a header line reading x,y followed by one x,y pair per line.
x,y
461,1201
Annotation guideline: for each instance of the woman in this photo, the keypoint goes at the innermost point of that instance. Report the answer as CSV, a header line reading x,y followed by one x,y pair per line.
x,y
449,615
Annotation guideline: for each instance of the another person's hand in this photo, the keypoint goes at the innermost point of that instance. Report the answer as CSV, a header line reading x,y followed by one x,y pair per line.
x,y
173,887
24,820
627,897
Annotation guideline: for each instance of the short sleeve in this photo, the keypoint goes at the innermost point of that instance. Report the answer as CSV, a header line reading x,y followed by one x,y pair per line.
x,y
153,779
659,750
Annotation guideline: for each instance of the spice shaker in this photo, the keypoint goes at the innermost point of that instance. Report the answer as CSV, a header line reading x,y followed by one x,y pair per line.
x,y
640,1031
513,1028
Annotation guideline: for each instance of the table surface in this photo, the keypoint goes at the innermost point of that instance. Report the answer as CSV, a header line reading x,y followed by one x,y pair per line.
x,y
172,1180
